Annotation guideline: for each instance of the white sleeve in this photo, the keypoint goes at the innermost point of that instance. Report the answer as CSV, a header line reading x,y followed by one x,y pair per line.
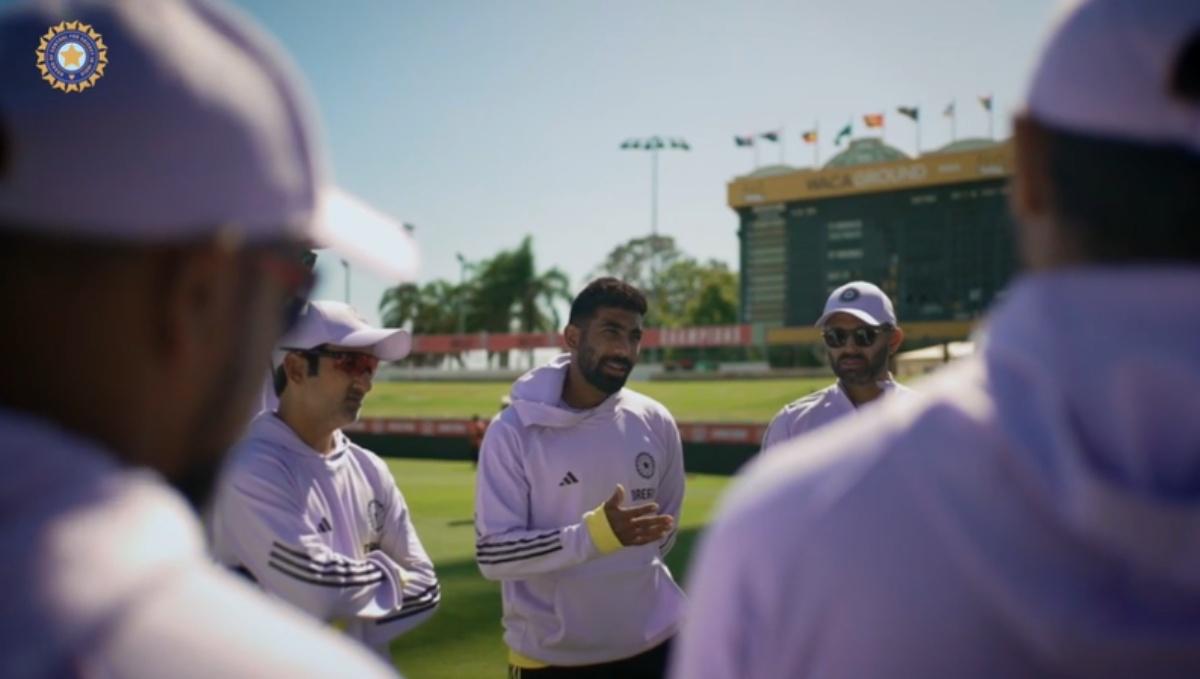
x,y
197,623
777,431
262,525
506,548
671,487
421,592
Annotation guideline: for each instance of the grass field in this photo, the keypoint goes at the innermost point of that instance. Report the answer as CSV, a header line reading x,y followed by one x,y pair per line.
x,y
463,638
714,401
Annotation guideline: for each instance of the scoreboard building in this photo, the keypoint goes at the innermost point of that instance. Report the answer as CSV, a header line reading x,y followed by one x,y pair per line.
x,y
933,232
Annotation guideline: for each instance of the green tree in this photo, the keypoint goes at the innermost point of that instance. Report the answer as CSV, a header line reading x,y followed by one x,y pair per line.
x,y
432,309
633,261
681,291
643,262
509,294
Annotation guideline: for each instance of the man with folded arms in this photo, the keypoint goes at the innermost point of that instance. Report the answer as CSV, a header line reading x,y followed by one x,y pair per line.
x,y
309,515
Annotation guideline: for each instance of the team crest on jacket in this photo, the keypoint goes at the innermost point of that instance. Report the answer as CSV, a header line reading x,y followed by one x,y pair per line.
x,y
644,465
71,56
375,515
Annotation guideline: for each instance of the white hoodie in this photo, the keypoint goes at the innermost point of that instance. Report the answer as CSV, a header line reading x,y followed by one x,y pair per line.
x,y
1034,511
107,577
572,594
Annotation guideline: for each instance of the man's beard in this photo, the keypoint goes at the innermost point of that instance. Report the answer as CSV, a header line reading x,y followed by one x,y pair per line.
x,y
591,367
873,370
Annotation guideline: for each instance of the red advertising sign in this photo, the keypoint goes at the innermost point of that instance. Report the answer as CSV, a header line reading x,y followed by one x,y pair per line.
x,y
690,432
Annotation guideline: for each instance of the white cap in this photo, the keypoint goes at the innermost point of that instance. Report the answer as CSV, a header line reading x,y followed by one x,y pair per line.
x,y
862,300
337,323
1108,67
197,124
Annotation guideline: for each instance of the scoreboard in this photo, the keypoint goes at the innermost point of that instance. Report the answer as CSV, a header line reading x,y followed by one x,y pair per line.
x,y
933,232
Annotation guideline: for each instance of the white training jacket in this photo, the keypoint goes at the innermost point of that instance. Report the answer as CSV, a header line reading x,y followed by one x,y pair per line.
x,y
329,533
108,577
819,408
1033,511
572,594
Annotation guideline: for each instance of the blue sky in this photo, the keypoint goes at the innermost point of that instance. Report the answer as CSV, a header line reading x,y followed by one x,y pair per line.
x,y
480,122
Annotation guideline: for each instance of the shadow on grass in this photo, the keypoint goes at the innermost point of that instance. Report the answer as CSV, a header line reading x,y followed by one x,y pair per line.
x,y
463,639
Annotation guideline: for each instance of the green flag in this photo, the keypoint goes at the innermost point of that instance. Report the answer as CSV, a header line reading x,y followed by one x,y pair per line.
x,y
845,132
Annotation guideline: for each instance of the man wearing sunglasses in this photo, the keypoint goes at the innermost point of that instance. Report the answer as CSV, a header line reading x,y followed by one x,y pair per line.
x,y
150,230
860,333
312,517
1035,512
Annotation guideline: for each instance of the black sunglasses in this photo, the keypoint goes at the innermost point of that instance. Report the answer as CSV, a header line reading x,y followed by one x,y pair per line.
x,y
864,336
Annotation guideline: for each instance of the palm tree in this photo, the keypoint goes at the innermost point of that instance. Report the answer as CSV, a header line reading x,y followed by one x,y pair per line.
x,y
431,308
508,294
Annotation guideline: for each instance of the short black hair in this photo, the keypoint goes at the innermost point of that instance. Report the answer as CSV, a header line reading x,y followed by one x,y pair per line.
x,y
279,377
1125,201
606,292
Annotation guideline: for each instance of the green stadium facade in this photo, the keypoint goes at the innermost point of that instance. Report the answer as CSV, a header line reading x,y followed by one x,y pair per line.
x,y
934,232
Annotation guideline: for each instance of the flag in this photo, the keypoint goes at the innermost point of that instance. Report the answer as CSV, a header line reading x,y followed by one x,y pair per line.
x,y
910,112
680,144
770,136
873,120
631,144
809,137
744,141
949,112
845,132
986,102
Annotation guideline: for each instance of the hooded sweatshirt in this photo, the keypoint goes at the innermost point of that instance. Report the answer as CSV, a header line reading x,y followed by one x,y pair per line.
x,y
329,533
1032,511
108,577
573,595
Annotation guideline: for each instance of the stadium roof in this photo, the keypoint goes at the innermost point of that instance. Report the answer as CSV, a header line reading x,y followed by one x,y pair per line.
x,y
969,144
770,171
866,151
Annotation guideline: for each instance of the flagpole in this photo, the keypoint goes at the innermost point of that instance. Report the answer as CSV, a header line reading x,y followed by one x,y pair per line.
x,y
817,145
653,195
918,124
954,122
782,143
754,143
991,119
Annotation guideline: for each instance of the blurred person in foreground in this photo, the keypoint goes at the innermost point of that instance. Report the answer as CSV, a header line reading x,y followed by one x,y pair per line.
x,y
1035,511
151,229
860,332
308,514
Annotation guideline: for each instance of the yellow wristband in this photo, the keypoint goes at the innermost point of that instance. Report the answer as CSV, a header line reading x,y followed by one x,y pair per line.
x,y
600,530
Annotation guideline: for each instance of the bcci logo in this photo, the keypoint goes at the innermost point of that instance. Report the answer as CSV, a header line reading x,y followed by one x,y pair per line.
x,y
375,512
645,465
71,56
849,295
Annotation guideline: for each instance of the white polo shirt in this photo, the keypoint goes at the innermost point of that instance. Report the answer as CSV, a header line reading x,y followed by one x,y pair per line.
x,y
819,409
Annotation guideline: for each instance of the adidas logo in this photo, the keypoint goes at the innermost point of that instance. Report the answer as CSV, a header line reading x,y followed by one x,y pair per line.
x,y
568,480
323,526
